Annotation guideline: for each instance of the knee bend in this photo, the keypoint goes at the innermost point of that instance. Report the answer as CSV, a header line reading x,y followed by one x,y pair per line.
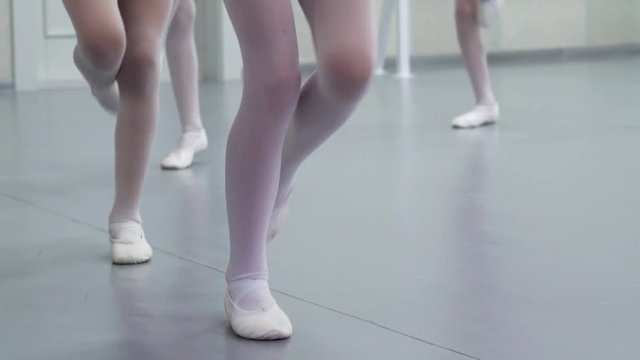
x,y
281,88
347,73
140,69
185,17
105,49
466,11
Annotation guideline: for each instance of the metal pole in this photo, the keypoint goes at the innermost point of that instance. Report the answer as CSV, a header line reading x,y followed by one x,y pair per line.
x,y
404,39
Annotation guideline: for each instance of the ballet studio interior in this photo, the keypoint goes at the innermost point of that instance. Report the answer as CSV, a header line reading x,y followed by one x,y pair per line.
x,y
319,179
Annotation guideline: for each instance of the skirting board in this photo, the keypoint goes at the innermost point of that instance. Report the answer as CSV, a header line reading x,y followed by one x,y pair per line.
x,y
422,62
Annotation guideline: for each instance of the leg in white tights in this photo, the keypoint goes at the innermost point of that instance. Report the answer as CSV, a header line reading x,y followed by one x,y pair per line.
x,y
274,115
100,48
267,39
183,65
470,14
344,47
145,22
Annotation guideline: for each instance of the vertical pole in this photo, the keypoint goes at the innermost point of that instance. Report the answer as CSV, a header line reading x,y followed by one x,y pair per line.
x,y
404,39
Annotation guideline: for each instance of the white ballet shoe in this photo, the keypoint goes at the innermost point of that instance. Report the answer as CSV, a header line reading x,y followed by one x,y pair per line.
x,y
267,323
481,115
178,159
488,11
128,243
108,97
191,143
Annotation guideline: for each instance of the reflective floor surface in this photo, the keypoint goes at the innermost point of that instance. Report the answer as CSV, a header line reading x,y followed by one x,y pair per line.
x,y
406,240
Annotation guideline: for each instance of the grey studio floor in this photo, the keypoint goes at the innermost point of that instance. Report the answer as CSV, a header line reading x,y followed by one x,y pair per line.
x,y
406,240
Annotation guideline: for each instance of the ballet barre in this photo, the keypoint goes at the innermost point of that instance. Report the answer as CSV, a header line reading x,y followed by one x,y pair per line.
x,y
403,56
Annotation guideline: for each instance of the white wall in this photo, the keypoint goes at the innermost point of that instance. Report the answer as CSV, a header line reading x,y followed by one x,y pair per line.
x,y
524,24
5,42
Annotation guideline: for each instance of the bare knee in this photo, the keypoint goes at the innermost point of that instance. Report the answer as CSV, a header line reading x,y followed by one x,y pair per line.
x,y
466,11
103,49
347,73
140,71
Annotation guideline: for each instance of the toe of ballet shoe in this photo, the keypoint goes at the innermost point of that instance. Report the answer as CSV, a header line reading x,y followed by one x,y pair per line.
x,y
268,323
